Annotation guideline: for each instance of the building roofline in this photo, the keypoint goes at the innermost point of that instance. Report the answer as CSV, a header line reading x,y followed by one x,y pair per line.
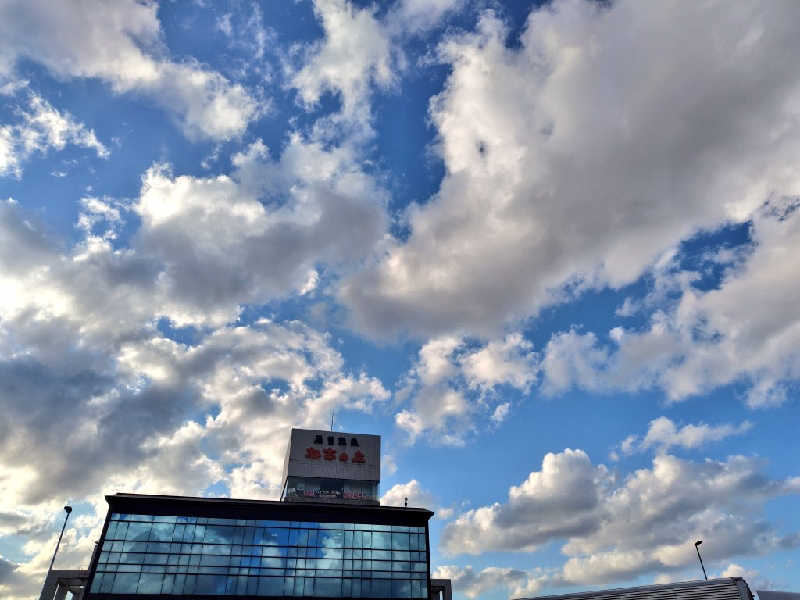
x,y
252,503
645,588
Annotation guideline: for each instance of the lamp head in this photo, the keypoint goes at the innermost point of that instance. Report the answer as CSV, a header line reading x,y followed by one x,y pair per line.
x,y
68,509
697,543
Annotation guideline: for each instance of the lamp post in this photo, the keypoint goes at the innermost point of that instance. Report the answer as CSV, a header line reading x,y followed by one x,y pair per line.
x,y
697,547
67,509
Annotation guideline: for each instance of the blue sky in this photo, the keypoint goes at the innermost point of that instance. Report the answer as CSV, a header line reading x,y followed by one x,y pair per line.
x,y
549,253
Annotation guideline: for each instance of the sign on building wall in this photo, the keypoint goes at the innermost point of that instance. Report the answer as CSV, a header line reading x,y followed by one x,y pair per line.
x,y
333,455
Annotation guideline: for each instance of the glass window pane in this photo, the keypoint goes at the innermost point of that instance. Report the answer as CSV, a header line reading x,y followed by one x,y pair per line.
x,y
379,588
401,589
330,587
149,583
381,539
252,586
199,533
138,532
302,537
125,583
270,586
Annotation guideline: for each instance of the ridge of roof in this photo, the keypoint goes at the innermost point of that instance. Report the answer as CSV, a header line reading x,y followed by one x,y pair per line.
x,y
656,591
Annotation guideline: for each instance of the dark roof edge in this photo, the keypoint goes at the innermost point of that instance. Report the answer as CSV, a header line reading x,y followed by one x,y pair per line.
x,y
110,498
659,586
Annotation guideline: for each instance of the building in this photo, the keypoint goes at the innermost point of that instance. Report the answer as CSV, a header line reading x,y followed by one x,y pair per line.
x,y
328,538
728,588
326,466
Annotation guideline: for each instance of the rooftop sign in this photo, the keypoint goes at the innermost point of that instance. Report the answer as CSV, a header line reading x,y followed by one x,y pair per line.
x,y
333,455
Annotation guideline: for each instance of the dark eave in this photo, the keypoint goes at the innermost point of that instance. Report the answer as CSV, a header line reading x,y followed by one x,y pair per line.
x,y
232,508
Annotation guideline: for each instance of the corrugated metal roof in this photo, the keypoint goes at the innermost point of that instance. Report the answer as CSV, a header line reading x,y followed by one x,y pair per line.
x,y
728,588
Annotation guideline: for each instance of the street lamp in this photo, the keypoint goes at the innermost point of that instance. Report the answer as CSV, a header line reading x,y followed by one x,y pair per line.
x,y
67,509
697,547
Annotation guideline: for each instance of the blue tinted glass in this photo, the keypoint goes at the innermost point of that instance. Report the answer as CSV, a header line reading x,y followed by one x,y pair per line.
x,y
270,586
125,583
380,588
174,556
381,539
138,531
149,583
401,589
330,587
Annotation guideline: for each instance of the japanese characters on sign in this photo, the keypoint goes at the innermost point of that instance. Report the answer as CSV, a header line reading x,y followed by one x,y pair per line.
x,y
330,453
333,455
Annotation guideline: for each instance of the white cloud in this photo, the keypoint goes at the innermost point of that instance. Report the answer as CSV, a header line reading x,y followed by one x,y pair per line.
x,y
355,54
563,495
578,158
663,434
417,496
419,16
440,410
734,570
453,381
41,127
500,412
435,360
78,337
707,338
508,361
161,417
475,584
619,530
122,44
388,465
221,244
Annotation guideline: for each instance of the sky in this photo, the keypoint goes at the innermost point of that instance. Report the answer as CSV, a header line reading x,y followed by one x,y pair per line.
x,y
549,252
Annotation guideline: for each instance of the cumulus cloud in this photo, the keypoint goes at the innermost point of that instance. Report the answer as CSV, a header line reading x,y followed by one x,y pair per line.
x,y
663,434
453,381
417,496
122,44
419,16
576,158
563,496
257,234
162,417
79,341
474,584
508,361
355,55
39,128
706,338
619,530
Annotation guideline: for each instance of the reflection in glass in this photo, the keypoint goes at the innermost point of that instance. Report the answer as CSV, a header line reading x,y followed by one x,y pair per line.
x,y
169,555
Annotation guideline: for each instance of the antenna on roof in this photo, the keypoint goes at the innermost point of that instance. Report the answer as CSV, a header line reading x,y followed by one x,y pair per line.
x,y
331,419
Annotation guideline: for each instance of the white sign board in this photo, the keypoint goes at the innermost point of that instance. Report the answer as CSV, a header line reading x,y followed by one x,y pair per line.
x,y
333,454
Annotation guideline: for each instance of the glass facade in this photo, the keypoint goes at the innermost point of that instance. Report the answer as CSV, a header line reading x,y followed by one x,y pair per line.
x,y
176,555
